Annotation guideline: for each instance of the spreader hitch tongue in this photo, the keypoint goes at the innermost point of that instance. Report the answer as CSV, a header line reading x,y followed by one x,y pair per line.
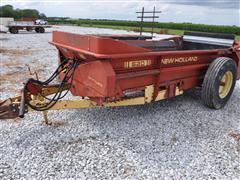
x,y
9,109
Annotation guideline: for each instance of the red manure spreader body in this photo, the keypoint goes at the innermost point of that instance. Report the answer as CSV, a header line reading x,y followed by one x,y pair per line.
x,y
119,70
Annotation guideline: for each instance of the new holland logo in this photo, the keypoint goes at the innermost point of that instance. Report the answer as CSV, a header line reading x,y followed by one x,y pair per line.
x,y
137,63
180,60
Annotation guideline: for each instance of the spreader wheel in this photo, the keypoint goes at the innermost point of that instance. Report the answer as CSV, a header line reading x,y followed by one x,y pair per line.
x,y
219,82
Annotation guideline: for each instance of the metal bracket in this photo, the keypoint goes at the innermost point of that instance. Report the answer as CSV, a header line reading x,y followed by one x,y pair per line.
x,y
45,116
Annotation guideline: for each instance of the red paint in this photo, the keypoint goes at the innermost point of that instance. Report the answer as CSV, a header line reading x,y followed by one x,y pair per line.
x,y
102,75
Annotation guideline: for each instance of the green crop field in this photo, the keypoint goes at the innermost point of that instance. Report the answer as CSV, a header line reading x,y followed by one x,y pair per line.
x,y
166,28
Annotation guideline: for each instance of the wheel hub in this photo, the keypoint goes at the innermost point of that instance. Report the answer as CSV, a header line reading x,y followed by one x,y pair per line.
x,y
225,84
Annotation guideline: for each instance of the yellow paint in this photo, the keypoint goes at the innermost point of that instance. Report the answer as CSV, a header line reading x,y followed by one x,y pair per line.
x,y
179,60
161,95
126,102
86,103
149,93
226,84
45,117
178,91
137,63
51,90
75,104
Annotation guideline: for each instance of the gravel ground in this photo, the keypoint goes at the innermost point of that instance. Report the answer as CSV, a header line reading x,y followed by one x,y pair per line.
x,y
172,139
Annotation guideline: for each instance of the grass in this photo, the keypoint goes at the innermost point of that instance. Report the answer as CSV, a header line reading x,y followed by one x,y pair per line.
x,y
129,28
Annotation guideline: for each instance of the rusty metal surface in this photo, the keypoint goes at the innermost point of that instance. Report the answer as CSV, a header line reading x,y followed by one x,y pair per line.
x,y
126,67
91,44
73,45
9,109
111,66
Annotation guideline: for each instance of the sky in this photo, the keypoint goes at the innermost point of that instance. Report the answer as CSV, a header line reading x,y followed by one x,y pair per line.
x,y
217,12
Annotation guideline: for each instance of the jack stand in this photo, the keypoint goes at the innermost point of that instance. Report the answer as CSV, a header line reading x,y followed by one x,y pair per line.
x,y
46,121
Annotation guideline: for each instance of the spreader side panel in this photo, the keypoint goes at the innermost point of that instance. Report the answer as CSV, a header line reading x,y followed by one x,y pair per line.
x,y
94,79
91,45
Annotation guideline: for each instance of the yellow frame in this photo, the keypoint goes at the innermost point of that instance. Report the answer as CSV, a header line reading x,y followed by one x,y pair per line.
x,y
86,103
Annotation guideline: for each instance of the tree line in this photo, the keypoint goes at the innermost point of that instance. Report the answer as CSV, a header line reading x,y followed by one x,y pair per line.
x,y
9,11
170,25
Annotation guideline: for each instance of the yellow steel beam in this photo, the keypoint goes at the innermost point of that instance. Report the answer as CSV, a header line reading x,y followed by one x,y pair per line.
x,y
86,103
178,91
77,104
149,93
161,95
53,89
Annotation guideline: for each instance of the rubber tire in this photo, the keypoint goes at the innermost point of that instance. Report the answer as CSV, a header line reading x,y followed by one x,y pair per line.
x,y
10,30
37,30
210,88
41,30
13,30
29,29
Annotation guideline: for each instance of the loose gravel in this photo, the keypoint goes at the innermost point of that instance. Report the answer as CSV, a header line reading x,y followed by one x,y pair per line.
x,y
177,138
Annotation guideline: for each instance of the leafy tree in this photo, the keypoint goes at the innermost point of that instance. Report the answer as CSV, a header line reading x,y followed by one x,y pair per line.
x,y
29,13
42,16
9,11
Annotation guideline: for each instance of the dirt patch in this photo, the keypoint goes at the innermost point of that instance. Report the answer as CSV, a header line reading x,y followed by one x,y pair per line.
x,y
236,136
16,52
57,124
18,74
9,64
11,78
